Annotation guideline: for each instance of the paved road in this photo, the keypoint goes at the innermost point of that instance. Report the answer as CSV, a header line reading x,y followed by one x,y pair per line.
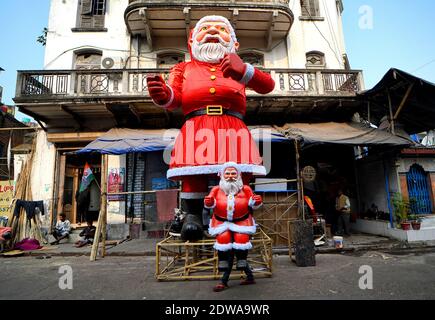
x,y
335,277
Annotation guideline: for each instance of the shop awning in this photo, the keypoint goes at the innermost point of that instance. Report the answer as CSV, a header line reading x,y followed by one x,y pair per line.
x,y
119,141
412,101
347,133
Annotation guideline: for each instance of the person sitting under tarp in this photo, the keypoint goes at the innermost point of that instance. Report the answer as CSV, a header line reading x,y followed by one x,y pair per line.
x,y
88,235
62,229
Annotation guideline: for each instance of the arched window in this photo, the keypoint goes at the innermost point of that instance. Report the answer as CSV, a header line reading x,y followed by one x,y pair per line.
x,y
315,59
169,59
88,59
254,58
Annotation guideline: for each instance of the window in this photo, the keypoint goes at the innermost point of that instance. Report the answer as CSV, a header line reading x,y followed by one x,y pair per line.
x,y
310,8
169,59
88,60
315,59
91,14
253,58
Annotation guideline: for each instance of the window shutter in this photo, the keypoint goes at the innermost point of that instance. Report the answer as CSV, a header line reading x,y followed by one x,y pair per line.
x,y
314,8
310,8
98,21
86,7
305,8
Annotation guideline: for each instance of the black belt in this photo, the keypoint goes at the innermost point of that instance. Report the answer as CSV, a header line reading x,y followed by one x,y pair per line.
x,y
246,216
214,111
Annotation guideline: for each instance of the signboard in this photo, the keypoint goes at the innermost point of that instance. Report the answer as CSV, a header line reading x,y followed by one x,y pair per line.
x,y
6,196
115,183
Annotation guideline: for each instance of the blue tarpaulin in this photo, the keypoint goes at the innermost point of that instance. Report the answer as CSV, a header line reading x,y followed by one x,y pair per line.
x,y
120,141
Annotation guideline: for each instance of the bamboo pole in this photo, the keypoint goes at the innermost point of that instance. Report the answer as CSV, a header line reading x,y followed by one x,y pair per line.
x,y
103,209
104,171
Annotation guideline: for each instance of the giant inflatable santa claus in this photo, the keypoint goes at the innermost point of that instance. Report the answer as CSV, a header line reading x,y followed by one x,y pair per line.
x,y
210,89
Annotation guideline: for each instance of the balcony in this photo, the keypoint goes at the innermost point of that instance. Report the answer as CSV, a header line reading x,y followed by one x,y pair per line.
x,y
167,24
56,95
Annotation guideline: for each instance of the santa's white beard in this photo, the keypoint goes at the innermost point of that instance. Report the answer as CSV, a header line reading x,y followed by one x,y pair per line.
x,y
211,52
231,187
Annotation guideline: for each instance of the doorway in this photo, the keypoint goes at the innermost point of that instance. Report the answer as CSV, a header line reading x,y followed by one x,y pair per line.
x,y
71,169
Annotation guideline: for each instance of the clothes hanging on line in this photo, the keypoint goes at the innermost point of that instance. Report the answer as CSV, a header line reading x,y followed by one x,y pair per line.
x,y
29,207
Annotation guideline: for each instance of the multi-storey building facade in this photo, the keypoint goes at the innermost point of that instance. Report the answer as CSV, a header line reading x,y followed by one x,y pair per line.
x,y
99,52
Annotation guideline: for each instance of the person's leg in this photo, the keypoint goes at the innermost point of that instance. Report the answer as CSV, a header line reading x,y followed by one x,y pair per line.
x,y
340,227
55,235
241,246
62,237
346,220
226,276
249,276
223,245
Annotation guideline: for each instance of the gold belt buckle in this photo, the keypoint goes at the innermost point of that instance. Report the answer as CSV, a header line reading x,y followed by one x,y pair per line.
x,y
215,110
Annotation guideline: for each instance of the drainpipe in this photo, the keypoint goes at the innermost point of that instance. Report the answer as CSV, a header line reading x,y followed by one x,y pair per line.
x,y
387,188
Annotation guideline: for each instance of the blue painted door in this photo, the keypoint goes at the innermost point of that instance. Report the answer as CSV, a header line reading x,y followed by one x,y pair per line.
x,y
418,189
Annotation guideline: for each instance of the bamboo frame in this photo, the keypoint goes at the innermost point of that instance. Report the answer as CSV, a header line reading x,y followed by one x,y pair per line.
x,y
177,260
102,218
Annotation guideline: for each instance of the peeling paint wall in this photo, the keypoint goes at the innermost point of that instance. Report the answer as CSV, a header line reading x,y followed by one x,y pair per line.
x,y
43,173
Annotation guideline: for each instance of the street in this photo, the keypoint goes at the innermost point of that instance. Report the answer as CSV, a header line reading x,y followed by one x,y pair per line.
x,y
409,276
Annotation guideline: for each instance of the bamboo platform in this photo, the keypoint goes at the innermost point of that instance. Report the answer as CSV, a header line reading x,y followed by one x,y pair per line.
x,y
177,260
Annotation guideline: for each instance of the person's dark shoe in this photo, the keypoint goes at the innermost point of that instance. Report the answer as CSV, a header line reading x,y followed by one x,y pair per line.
x,y
241,265
220,287
247,282
54,243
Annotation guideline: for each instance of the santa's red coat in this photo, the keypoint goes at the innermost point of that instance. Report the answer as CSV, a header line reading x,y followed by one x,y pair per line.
x,y
206,141
233,212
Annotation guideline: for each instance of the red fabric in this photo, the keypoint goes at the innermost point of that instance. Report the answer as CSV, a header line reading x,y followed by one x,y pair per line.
x,y
225,237
4,230
195,184
28,245
167,200
216,144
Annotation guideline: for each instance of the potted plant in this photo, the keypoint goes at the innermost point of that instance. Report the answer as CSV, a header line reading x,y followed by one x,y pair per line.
x,y
415,222
401,211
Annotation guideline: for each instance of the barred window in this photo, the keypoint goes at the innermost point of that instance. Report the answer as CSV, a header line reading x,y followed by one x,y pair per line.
x,y
169,59
253,58
310,8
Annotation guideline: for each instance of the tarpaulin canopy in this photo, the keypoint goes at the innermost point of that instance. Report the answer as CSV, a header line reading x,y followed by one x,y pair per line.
x,y
412,101
122,141
348,133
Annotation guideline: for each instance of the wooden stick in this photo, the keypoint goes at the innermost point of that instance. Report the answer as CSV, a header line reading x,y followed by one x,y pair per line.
x,y
104,171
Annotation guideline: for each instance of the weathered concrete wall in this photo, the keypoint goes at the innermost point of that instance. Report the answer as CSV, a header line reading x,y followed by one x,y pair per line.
x,y
62,41
372,183
304,36
405,164
43,169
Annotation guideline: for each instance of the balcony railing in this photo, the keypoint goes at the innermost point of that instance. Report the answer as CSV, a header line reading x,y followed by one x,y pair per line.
x,y
71,84
285,2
